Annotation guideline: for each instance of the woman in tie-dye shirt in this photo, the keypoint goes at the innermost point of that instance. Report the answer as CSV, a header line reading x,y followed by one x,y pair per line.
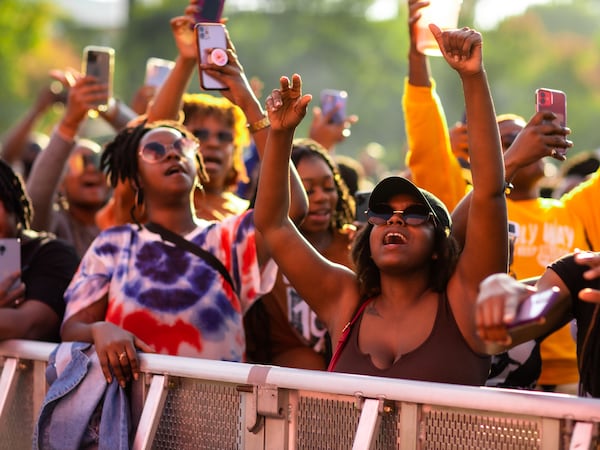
x,y
135,290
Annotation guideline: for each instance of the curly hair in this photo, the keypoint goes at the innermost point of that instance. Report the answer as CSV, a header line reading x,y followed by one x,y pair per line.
x,y
441,269
345,208
14,197
205,105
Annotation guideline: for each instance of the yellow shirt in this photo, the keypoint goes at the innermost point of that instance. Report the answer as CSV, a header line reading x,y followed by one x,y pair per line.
x,y
547,229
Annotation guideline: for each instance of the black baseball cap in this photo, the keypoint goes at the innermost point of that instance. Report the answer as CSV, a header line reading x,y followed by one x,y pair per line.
x,y
391,186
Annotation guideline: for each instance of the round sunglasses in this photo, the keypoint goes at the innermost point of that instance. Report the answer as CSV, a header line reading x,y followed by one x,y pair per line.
x,y
203,135
155,152
413,215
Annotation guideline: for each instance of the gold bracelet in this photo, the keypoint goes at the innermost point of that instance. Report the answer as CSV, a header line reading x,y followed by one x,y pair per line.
x,y
259,125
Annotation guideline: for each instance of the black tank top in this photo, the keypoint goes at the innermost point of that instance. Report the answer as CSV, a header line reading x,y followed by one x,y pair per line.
x,y
444,357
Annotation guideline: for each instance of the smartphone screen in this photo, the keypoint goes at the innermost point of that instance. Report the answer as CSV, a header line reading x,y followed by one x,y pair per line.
x,y
10,258
99,62
157,71
334,100
211,11
361,199
210,36
535,307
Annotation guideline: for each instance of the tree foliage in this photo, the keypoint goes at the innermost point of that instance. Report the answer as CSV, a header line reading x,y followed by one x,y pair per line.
x,y
332,45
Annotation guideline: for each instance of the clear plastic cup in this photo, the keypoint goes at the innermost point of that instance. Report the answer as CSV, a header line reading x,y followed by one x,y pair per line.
x,y
443,13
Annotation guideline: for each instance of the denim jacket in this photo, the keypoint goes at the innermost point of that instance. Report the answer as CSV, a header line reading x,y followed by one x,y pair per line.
x,y
77,390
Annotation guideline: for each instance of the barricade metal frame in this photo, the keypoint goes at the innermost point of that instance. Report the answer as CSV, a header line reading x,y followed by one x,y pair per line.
x,y
194,403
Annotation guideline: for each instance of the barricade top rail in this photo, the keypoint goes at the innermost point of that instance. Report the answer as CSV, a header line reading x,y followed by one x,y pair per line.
x,y
480,398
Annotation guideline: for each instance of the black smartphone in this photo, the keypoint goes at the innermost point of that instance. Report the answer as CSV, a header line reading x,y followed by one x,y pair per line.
x,y
211,11
212,49
334,100
99,61
361,199
535,307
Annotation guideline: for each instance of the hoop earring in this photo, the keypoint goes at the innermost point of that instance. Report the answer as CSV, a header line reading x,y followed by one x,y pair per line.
x,y
139,197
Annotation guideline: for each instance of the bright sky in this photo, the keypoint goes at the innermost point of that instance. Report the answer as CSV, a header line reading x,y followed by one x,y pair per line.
x,y
488,12
115,11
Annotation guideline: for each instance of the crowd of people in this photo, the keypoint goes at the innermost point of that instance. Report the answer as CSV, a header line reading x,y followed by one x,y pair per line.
x,y
165,239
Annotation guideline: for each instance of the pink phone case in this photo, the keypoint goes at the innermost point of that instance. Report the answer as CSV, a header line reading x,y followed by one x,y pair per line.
x,y
535,307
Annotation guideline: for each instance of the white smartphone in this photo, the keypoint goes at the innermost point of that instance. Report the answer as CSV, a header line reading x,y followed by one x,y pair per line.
x,y
334,100
99,62
211,42
10,258
157,71
535,307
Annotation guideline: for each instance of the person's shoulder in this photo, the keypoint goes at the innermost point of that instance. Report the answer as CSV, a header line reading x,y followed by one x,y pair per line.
x,y
44,244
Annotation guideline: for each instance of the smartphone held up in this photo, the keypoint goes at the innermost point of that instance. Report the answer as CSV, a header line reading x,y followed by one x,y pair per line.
x,y
209,11
555,101
333,103
99,62
212,49
157,71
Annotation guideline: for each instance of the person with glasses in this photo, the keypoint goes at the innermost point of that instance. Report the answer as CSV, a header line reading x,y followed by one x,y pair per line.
x,y
547,229
225,125
407,311
66,186
138,289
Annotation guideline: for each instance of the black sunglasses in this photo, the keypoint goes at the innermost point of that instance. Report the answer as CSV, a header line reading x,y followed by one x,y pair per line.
x,y
155,152
413,215
203,135
79,162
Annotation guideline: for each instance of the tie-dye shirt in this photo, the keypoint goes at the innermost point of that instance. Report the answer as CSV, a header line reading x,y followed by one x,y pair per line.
x,y
171,298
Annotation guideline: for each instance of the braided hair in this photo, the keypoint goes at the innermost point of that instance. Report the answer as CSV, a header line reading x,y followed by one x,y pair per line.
x,y
119,159
344,209
14,197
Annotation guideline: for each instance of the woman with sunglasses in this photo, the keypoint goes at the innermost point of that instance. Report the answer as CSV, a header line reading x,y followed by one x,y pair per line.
x,y
134,290
222,123
408,311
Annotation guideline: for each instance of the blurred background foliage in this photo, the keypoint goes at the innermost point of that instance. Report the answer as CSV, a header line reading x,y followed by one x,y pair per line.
x,y
332,45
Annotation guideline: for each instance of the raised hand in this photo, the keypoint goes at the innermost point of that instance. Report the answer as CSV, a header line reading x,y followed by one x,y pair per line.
x,y
286,107
461,49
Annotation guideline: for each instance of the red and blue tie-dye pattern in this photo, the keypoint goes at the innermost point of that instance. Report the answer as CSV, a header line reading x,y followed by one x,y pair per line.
x,y
169,297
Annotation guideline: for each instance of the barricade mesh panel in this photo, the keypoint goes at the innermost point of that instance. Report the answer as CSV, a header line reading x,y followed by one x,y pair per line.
x,y
16,430
329,423
448,429
200,416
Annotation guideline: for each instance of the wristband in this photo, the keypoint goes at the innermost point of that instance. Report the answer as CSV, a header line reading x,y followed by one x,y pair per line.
x,y
259,125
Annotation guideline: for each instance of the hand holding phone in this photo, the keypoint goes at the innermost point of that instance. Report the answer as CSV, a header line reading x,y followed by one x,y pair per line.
x,y
99,62
212,49
334,102
535,308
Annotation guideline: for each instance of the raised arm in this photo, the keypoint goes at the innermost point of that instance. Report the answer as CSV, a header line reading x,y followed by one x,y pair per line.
x,y
328,288
429,150
48,168
486,242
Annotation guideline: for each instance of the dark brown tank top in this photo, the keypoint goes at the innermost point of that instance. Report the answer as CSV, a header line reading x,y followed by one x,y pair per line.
x,y
444,357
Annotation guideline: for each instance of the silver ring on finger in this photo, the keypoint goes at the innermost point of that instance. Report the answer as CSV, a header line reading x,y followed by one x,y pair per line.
x,y
122,356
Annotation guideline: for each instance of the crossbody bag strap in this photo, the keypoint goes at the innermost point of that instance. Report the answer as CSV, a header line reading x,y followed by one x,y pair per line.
x,y
183,243
344,337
